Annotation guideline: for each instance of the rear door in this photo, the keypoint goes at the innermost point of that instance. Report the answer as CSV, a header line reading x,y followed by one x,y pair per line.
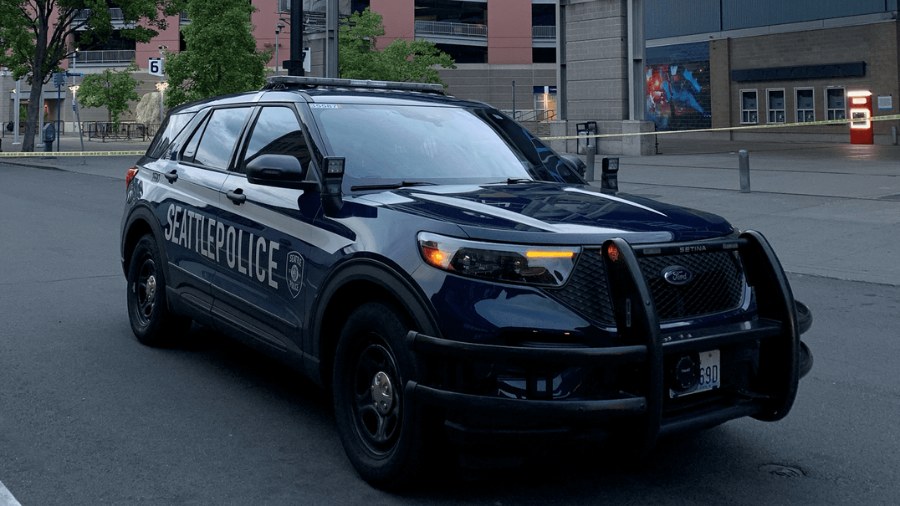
x,y
189,214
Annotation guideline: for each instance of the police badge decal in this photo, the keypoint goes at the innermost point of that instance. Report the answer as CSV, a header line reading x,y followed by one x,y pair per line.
x,y
294,274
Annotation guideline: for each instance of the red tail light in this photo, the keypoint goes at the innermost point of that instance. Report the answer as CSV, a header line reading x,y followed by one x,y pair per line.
x,y
129,175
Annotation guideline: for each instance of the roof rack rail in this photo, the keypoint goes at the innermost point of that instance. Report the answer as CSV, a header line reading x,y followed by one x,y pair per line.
x,y
275,82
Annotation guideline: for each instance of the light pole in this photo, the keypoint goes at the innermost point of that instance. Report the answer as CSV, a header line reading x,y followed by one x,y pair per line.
x,y
162,85
278,28
161,88
16,103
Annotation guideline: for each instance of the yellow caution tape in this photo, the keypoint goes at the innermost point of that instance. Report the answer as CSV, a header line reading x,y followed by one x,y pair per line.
x,y
49,154
722,129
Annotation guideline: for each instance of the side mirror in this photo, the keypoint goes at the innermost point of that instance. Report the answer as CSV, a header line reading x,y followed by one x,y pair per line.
x,y
284,171
574,163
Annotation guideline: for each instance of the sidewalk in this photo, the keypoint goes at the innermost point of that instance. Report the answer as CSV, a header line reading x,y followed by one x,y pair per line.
x,y
72,142
828,209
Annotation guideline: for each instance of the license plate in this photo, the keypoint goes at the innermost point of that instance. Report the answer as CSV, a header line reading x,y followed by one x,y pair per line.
x,y
709,377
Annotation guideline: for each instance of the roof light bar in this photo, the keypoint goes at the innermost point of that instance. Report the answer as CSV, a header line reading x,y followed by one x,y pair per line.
x,y
312,82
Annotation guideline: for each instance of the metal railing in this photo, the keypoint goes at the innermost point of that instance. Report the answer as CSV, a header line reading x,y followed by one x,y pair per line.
x,y
115,15
104,57
531,115
451,29
127,130
543,32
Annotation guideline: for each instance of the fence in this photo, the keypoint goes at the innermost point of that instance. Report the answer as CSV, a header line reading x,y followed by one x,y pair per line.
x,y
123,131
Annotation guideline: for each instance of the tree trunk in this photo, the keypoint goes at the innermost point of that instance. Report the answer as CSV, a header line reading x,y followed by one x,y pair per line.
x,y
35,98
35,107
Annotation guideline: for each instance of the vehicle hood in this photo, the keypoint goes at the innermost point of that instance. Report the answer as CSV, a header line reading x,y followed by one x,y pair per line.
x,y
506,211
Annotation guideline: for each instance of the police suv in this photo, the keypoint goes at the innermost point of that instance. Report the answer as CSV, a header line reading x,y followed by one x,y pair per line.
x,y
444,273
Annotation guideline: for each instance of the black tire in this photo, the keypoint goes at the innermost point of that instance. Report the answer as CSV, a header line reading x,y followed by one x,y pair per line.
x,y
380,431
148,310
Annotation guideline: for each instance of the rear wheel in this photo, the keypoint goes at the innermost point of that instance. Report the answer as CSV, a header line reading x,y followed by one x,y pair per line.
x,y
378,428
148,311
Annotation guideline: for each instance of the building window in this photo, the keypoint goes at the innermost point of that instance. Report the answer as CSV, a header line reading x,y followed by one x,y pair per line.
x,y
835,103
775,105
749,107
805,103
284,6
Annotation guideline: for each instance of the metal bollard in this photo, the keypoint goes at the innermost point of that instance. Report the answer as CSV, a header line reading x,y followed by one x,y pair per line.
x,y
894,135
744,169
589,161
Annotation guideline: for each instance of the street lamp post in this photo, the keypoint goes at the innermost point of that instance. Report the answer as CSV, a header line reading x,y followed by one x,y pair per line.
x,y
278,28
162,85
16,102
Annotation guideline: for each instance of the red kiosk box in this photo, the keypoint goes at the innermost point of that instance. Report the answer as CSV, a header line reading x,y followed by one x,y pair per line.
x,y
862,131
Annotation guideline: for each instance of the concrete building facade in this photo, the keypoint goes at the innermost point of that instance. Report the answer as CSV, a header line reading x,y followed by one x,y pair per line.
x,y
630,66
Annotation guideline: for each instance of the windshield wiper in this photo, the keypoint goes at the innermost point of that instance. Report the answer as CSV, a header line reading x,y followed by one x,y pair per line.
x,y
389,186
518,180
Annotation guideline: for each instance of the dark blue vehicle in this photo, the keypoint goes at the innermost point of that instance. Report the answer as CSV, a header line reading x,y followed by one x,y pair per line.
x,y
443,272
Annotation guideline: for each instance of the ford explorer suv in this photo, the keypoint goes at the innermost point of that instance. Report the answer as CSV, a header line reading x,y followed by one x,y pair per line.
x,y
444,274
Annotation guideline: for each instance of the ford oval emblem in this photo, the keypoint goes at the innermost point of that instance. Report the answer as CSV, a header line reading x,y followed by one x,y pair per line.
x,y
677,275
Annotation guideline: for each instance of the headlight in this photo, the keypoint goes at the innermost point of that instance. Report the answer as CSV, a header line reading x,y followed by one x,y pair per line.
x,y
514,263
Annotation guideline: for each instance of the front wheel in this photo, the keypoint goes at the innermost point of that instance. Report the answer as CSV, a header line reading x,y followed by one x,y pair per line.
x,y
151,320
377,426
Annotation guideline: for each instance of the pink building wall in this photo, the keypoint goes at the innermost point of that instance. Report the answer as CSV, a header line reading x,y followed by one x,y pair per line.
x,y
509,31
168,37
399,18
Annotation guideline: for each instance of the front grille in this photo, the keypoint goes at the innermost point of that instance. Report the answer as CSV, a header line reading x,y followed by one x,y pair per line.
x,y
587,292
717,284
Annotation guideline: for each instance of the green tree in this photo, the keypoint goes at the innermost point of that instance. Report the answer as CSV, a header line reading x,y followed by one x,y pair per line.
x,y
35,35
221,55
401,60
111,89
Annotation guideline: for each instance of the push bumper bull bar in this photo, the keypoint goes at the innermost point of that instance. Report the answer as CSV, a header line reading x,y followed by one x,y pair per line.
x,y
777,327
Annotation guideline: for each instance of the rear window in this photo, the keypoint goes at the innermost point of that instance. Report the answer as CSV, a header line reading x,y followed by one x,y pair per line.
x,y
170,129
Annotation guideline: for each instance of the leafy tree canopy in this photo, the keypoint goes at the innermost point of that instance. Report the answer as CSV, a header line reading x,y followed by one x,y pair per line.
x,y
111,89
221,55
36,35
401,60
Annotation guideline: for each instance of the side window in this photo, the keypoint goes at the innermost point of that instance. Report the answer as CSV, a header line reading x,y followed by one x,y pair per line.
x,y
749,107
835,104
775,104
806,109
277,131
217,138
173,125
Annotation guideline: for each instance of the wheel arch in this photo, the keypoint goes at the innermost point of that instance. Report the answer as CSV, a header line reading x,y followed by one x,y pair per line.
x,y
357,282
141,221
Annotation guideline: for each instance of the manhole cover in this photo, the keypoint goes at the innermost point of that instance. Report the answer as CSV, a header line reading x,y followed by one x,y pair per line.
x,y
782,470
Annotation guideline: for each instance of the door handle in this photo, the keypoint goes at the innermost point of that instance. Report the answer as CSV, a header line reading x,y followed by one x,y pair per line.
x,y
172,176
237,196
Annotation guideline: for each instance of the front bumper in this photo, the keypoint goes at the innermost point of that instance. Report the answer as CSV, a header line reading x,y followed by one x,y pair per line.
x,y
631,382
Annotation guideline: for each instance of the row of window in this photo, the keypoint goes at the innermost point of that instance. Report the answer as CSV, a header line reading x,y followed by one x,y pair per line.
x,y
804,105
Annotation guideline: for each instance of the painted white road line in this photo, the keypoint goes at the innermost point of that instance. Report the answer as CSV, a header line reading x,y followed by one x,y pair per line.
x,y
6,498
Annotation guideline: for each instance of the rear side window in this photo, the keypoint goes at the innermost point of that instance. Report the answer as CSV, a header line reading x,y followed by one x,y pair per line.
x,y
213,143
173,125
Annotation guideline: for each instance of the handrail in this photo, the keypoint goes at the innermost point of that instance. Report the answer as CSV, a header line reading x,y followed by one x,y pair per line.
x,y
448,28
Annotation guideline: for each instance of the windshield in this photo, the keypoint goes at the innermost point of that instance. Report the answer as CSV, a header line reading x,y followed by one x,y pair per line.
x,y
419,144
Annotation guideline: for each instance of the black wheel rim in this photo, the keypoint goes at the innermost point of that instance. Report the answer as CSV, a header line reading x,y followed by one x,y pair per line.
x,y
145,291
376,398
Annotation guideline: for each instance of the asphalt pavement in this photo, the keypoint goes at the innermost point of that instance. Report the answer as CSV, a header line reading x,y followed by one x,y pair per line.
x,y
828,209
